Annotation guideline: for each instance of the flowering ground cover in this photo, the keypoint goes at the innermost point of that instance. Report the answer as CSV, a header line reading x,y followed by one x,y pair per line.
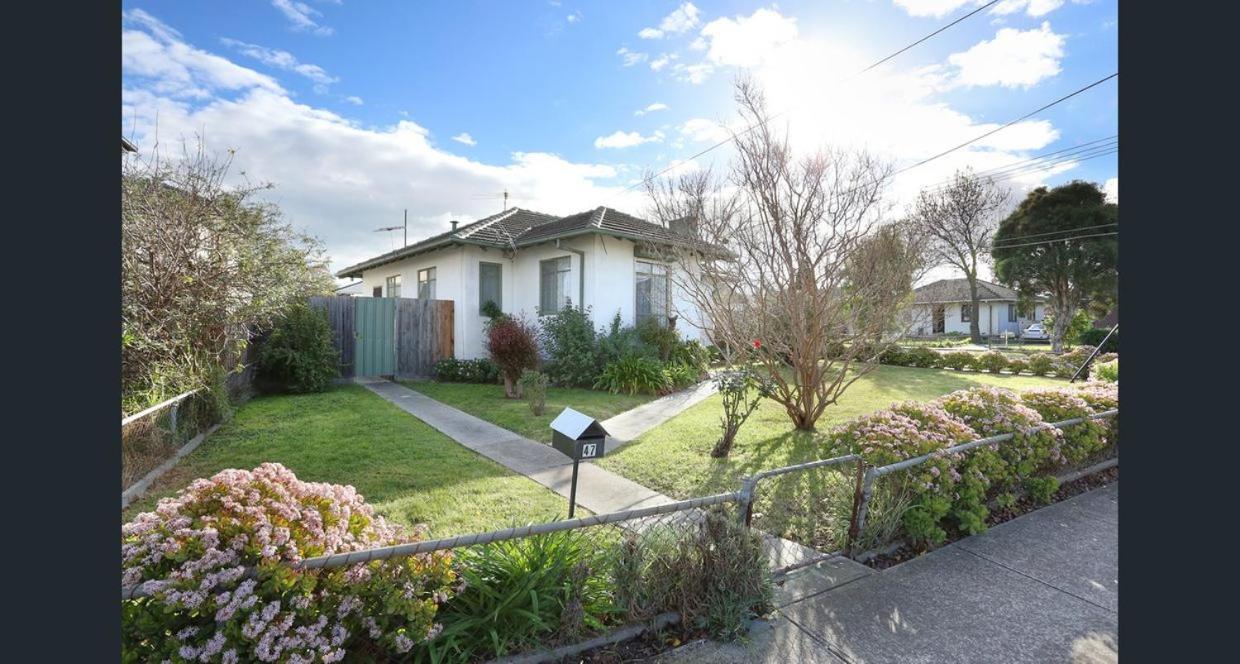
x,y
410,472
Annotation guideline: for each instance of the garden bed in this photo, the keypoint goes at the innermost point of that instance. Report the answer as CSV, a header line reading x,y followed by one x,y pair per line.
x,y
1024,505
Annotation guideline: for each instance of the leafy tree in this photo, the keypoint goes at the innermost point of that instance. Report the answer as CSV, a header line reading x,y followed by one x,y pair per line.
x,y
298,355
958,223
1059,242
204,266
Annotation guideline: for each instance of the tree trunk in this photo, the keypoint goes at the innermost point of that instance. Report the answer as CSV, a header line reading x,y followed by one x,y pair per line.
x,y
975,330
1060,327
512,389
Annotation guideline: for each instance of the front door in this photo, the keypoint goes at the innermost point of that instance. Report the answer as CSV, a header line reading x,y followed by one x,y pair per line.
x,y
938,325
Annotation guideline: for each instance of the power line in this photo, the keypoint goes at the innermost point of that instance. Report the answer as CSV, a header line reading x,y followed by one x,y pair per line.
x,y
1004,176
754,126
1062,239
992,132
1070,230
1046,157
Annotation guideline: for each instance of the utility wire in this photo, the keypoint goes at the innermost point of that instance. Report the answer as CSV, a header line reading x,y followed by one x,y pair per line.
x,y
1070,230
1038,160
998,177
1062,239
754,126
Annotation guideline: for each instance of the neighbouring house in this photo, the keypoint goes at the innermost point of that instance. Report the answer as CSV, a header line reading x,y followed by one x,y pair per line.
x,y
127,146
944,307
355,289
534,264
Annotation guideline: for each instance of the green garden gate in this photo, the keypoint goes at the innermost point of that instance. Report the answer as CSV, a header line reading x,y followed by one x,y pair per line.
x,y
375,336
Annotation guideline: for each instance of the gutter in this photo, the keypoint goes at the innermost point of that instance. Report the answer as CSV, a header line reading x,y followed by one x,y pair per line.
x,y
581,274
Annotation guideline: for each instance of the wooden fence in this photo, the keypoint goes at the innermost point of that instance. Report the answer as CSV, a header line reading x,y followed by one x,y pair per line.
x,y
421,335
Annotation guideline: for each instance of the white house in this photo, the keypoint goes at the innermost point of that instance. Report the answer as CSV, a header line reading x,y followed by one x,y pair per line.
x,y
944,306
533,264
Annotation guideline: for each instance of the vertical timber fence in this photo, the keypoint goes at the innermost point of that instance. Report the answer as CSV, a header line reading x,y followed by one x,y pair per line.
x,y
389,336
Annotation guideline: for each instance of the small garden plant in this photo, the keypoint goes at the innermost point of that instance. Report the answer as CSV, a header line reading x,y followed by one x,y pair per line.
x,y
513,347
534,385
298,355
741,392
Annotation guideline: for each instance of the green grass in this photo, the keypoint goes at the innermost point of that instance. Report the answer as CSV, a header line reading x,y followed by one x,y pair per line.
x,y
812,507
410,472
674,458
487,402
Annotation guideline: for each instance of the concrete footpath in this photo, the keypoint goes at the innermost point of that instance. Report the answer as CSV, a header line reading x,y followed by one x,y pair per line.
x,y
1041,588
598,490
632,423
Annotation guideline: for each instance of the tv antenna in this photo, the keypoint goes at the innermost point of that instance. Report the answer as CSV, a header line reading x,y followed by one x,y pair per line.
x,y
491,197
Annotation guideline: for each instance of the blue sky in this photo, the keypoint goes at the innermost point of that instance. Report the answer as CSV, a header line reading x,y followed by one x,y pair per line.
x,y
358,110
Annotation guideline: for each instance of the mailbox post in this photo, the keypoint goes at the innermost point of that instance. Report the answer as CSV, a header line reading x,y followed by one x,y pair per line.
x,y
578,436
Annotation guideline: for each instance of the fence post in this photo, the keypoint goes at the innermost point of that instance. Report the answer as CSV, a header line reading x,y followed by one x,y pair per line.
x,y
867,491
173,416
854,528
748,485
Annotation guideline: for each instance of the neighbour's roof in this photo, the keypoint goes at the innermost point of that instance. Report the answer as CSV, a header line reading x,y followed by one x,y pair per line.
x,y
522,228
957,290
127,146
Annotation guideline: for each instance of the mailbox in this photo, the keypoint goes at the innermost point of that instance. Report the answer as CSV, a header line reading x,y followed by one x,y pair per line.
x,y
577,435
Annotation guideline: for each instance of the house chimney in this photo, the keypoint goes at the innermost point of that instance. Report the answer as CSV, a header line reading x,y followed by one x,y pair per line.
x,y
453,222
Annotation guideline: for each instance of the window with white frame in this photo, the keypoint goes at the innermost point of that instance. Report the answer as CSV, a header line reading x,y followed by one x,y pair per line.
x,y
490,285
650,285
1011,313
426,284
966,313
553,292
393,286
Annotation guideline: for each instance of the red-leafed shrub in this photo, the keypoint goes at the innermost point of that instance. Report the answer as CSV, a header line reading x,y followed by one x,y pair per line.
x,y
513,345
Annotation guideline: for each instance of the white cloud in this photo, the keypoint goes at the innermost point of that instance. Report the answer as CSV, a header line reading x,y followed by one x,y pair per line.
x,y
621,139
1033,8
1112,190
747,41
695,74
333,177
663,60
1026,135
465,138
1014,58
657,106
300,16
575,17
355,100
702,130
935,8
284,60
683,19
630,57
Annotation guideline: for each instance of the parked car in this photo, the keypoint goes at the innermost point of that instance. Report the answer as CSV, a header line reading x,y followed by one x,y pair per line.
x,y
1036,331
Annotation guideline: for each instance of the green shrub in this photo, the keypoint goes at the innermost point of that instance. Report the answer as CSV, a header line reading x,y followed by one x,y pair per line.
x,y
298,355
1080,441
895,356
633,375
1095,335
622,342
924,358
1017,366
534,387
480,370
718,578
992,361
991,411
959,359
693,354
679,376
662,337
522,593
1102,396
740,391
1041,364
1064,368
570,342
1106,371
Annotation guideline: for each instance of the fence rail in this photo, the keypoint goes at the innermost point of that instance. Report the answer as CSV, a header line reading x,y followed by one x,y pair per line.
x,y
861,495
174,402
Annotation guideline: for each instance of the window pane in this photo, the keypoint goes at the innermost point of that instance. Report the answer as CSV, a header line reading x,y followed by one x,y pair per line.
x,y
650,284
490,284
393,286
553,284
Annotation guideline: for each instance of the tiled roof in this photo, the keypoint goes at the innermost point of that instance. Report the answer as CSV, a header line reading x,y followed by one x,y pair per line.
x,y
521,228
957,290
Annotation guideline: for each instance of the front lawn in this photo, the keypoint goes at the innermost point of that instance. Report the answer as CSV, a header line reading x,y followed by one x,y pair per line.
x,y
410,472
674,458
488,402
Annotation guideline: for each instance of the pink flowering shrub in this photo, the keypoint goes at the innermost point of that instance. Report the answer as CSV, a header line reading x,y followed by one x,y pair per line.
x,y
1102,396
1080,441
991,411
908,430
195,549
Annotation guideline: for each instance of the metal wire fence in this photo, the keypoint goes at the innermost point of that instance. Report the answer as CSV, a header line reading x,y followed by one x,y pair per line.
x,y
151,436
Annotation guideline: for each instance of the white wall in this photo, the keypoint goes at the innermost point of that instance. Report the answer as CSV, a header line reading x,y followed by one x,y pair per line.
x,y
992,318
609,284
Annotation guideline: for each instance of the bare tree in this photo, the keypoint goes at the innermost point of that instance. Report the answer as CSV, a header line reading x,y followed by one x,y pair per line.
x,y
785,261
958,223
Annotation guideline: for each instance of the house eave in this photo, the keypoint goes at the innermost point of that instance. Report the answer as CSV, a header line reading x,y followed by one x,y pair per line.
x,y
355,271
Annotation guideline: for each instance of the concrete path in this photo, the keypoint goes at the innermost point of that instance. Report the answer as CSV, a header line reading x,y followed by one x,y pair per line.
x,y
598,490
632,423
1040,588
